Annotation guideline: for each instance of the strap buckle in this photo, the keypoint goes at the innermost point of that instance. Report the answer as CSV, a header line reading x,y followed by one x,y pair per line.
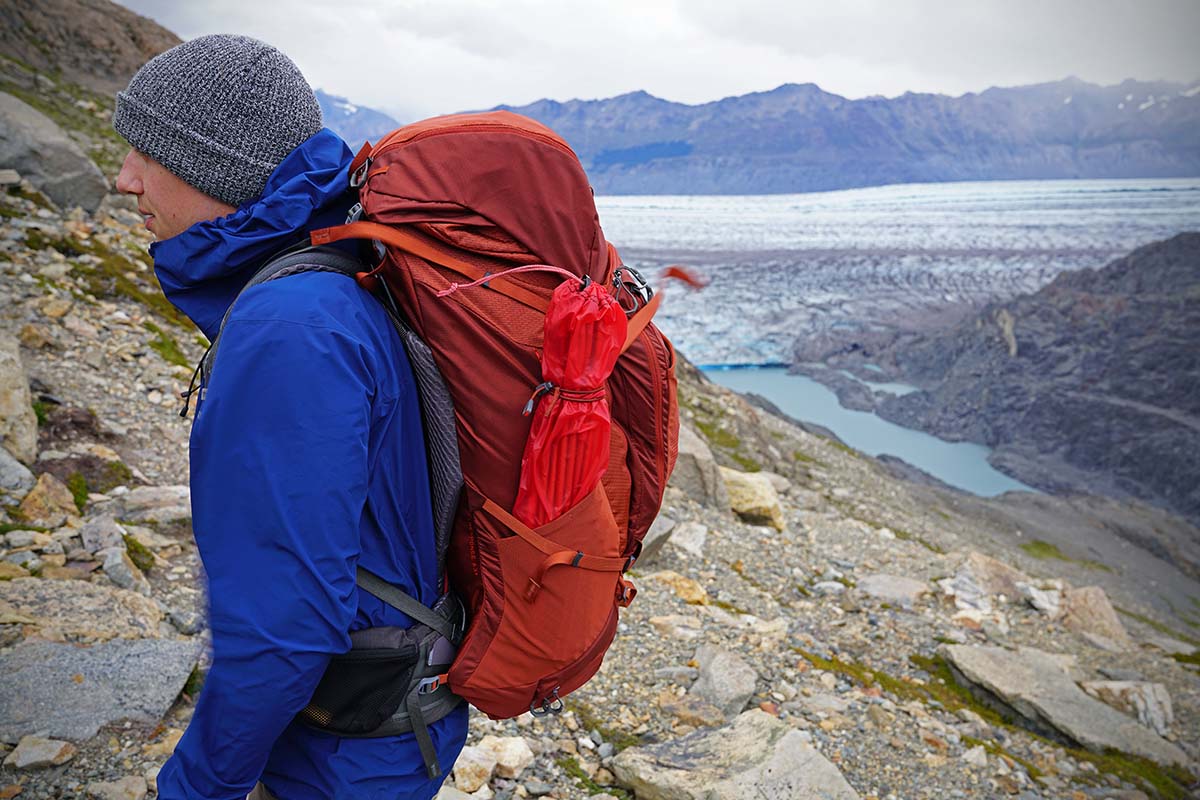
x,y
551,705
626,591
631,289
355,213
432,684
359,176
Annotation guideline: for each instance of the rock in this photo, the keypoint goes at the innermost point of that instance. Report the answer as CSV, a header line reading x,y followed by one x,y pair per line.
x,y
976,756
726,680
893,589
48,503
687,589
1039,688
473,768
70,692
18,423
829,587
81,611
696,472
782,485
691,710
9,570
755,756
9,177
1046,600
658,535
123,572
101,533
1087,610
15,477
1149,702
166,745
753,498
676,626
131,787
33,752
47,157
690,537
156,504
512,754
992,576
448,792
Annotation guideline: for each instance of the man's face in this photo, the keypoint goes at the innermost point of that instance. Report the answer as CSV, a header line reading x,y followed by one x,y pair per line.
x,y
168,204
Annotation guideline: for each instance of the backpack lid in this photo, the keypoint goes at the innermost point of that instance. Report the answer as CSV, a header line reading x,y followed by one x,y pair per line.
x,y
519,196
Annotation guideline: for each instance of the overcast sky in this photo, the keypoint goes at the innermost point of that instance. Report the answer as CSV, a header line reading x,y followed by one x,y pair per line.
x,y
415,58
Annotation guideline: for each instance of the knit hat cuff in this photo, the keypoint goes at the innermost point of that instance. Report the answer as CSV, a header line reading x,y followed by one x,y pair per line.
x,y
229,176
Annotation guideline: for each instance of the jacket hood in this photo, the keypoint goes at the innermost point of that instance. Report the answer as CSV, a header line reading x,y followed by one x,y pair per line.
x,y
202,269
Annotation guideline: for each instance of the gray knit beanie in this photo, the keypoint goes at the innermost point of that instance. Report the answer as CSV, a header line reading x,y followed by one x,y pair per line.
x,y
221,112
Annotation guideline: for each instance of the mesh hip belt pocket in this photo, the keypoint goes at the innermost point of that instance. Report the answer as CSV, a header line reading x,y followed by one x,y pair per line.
x,y
364,687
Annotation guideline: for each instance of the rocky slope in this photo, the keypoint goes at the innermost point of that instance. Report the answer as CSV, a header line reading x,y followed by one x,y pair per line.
x,y
808,624
95,44
1090,384
799,138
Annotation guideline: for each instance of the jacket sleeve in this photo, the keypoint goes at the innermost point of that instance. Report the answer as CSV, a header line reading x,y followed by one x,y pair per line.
x,y
279,468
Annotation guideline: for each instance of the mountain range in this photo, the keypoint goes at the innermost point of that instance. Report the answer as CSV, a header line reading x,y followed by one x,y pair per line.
x,y
800,138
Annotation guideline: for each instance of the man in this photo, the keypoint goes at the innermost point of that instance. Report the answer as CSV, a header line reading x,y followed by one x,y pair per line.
x,y
307,456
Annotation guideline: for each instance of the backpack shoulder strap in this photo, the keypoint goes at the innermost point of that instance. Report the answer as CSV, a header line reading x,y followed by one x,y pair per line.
x,y
292,262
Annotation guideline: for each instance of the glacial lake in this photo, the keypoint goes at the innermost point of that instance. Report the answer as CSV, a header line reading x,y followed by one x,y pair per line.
x,y
960,464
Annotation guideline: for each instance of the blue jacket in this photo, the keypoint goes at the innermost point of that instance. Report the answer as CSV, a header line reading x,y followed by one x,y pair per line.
x,y
307,459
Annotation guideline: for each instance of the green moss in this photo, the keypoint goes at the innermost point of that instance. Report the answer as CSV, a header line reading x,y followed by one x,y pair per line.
x,y
195,682
997,750
166,346
5,527
1158,626
908,536
803,590
139,554
115,474
569,765
1046,550
589,721
728,606
40,410
79,489
37,198
717,436
1187,658
803,458
747,464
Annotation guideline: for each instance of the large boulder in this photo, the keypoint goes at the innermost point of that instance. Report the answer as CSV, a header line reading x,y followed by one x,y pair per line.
x,y
1149,702
78,611
33,145
1087,611
18,423
755,756
1037,686
752,497
696,472
69,692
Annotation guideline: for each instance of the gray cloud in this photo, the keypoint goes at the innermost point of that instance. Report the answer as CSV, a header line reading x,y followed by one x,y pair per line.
x,y
421,57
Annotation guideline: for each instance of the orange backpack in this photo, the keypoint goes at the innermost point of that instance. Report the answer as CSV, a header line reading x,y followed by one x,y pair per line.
x,y
460,198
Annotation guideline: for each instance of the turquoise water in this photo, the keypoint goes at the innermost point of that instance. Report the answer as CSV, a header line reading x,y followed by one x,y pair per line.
x,y
960,464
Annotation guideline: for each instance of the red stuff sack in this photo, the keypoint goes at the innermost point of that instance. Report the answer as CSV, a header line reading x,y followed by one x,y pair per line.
x,y
461,199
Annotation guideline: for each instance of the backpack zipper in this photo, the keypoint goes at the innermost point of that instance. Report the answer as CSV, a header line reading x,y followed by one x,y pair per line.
x,y
392,141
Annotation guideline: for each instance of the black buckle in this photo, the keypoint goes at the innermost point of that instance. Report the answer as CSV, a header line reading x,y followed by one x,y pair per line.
x,y
550,705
